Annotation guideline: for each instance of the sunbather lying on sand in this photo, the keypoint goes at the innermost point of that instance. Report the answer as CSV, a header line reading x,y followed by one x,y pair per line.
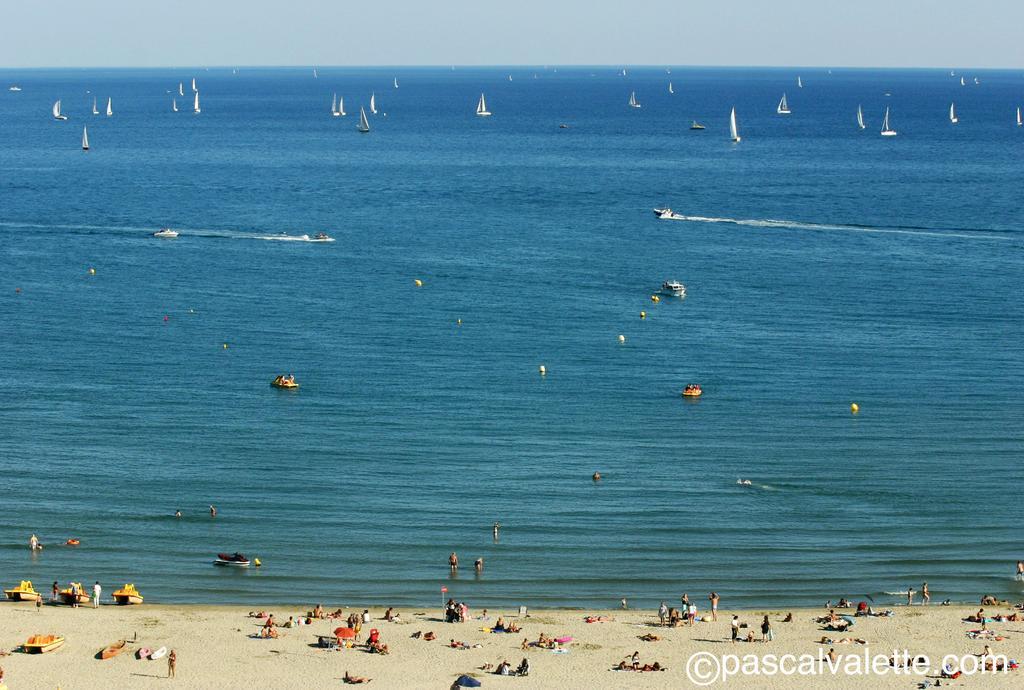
x,y
355,680
842,640
649,637
597,619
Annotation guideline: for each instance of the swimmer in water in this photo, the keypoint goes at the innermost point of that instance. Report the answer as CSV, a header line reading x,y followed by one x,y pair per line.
x,y
596,477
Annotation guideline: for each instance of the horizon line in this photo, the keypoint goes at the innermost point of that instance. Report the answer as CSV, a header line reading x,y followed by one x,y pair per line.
x,y
535,66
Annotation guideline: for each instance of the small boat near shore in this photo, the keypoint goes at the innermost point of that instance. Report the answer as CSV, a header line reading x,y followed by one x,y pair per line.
x,y
41,644
74,594
23,592
166,233
127,595
112,650
692,390
667,214
286,382
232,560
674,288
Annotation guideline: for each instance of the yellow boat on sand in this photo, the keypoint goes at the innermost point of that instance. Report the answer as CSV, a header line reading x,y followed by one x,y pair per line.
x,y
40,644
69,598
23,592
127,595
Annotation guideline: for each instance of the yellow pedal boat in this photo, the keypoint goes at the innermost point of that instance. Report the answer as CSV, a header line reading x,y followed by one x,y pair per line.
x,y
23,592
285,383
127,595
40,644
68,598
692,391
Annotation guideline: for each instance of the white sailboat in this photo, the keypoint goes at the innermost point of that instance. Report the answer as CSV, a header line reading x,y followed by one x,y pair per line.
x,y
481,107
95,110
181,89
1019,121
887,131
510,77
962,83
633,103
57,114
85,138
670,88
799,83
334,106
174,105
194,85
315,75
195,104
373,103
364,124
860,117
396,82
952,114
734,131
110,110
341,106
783,108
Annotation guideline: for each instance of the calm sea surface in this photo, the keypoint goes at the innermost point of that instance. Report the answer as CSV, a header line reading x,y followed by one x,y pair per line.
x,y
886,272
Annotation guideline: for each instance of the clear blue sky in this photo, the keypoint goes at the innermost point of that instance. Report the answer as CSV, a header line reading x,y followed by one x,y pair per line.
x,y
982,33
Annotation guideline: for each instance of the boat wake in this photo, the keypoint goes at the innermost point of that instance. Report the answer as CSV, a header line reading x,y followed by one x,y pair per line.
x,y
972,234
147,232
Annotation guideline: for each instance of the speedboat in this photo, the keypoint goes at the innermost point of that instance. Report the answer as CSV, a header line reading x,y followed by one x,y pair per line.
x,y
322,237
166,233
673,287
744,482
40,644
23,592
667,214
234,560
696,125
286,382
127,595
692,390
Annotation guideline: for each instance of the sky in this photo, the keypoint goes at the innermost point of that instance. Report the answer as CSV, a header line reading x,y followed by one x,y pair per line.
x,y
827,33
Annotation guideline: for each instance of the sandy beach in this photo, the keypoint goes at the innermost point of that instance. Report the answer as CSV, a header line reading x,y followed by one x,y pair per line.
x,y
215,648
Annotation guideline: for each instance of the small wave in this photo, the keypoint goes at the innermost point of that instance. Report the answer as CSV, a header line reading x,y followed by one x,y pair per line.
x,y
985,234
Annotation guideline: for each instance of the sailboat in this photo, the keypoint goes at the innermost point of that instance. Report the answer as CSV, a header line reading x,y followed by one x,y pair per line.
x,y
373,103
633,103
510,77
670,88
95,110
860,117
85,138
952,114
886,130
195,104
57,114
962,83
783,108
334,106
110,110
181,89
341,106
174,105
315,75
396,82
799,83
481,107
734,132
1019,121
364,124
194,85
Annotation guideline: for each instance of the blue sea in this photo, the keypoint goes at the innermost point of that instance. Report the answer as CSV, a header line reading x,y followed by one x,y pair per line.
x,y
825,265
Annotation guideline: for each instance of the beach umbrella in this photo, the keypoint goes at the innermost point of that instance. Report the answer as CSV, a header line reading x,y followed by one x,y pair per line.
x,y
344,633
468,682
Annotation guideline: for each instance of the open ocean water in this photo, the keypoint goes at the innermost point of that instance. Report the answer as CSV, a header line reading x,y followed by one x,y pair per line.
x,y
885,272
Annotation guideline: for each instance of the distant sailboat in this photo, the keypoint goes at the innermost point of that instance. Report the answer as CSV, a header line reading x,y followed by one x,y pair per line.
x,y
734,131
623,71
1019,121
181,89
633,103
783,108
396,82
85,138
670,88
860,117
481,107
510,77
962,83
334,106
315,75
364,124
886,130
57,114
194,85
195,104
110,110
174,105
95,110
799,83
373,103
952,114
341,106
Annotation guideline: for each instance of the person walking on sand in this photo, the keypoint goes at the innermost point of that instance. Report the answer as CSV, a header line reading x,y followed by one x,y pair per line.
x,y
735,628
96,592
453,562
172,663
766,631
714,605
926,596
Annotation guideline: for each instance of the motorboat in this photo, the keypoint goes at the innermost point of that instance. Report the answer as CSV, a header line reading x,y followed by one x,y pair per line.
x,y
23,592
14,87
166,233
234,560
692,390
286,382
696,125
127,595
744,482
78,595
40,644
667,214
321,237
673,287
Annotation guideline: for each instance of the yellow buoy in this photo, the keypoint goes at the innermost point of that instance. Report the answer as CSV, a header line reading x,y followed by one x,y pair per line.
x,y
854,408
419,283
225,346
643,315
622,338
543,370
655,299
92,271
256,562
458,322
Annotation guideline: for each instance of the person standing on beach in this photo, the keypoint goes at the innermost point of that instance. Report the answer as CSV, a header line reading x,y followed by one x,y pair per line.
x,y
691,613
453,562
96,592
624,604
766,630
714,605
172,663
735,628
662,613
55,592
926,596
910,596
685,600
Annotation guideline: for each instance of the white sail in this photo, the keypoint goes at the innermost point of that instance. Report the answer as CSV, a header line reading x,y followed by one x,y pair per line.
x,y
734,131
962,82
952,113
181,89
670,88
315,75
57,114
341,106
364,124
481,107
396,82
95,110
783,108
85,138
633,103
860,117
886,130
1019,121
194,85
334,105
110,110
174,105
799,83
373,103
510,77
195,104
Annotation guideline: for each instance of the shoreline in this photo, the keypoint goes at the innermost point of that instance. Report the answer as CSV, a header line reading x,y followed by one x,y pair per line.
x,y
215,648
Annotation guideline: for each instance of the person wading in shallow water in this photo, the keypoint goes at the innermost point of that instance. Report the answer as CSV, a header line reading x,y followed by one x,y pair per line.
x,y
453,561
